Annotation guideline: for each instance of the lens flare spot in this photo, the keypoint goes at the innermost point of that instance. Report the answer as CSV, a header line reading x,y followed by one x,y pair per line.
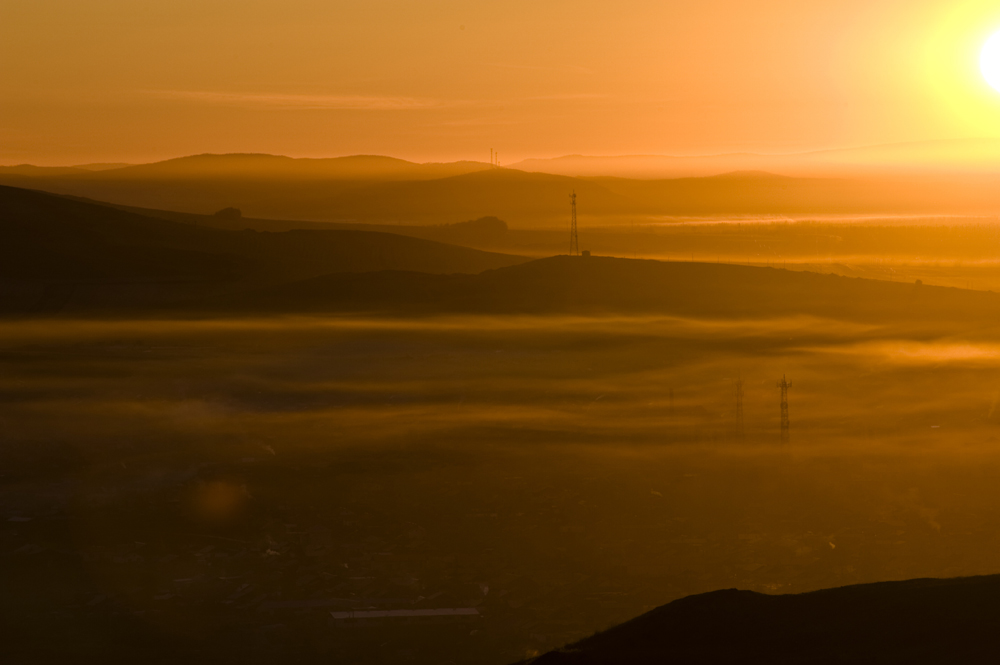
x,y
219,500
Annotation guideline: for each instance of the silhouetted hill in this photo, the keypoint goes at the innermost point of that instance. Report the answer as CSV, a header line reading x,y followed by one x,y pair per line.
x,y
426,194
28,170
484,230
762,193
102,166
602,285
56,171
46,239
917,621
981,155
501,192
383,190
240,224
262,166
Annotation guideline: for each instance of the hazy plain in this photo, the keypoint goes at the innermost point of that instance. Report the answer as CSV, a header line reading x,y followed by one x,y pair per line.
x,y
191,484
946,250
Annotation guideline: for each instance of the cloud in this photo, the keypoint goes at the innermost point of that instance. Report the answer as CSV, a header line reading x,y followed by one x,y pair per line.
x,y
568,97
479,122
302,102
541,68
284,101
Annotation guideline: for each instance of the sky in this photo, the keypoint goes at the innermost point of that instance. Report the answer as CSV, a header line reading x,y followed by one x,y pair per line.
x,y
438,80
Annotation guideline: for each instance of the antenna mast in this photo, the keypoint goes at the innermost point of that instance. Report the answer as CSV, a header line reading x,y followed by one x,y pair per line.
x,y
784,385
574,242
739,408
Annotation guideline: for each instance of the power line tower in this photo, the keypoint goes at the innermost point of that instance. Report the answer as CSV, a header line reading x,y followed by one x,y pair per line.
x,y
574,242
784,385
740,434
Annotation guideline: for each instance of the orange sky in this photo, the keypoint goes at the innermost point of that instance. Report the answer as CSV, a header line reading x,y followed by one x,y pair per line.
x,y
138,80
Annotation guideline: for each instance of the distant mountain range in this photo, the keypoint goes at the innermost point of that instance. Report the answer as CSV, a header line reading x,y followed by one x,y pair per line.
x,y
258,166
977,155
899,159
917,622
382,190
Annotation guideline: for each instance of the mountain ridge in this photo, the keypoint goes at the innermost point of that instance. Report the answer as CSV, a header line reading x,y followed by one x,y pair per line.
x,y
47,240
913,621
258,165
595,286
890,159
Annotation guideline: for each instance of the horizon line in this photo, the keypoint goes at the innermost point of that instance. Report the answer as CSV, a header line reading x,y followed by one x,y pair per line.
x,y
114,164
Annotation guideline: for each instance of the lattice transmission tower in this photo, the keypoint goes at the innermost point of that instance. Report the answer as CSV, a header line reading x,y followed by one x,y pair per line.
x,y
574,242
784,385
740,433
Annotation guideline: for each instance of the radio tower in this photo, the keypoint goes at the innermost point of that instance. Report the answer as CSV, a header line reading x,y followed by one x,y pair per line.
x,y
574,242
784,385
739,409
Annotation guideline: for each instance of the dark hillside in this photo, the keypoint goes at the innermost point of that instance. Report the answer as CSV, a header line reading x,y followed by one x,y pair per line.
x,y
917,621
51,238
49,242
341,197
602,285
487,230
40,229
71,246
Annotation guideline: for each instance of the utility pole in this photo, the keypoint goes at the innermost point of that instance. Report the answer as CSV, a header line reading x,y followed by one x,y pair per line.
x,y
740,433
574,242
784,385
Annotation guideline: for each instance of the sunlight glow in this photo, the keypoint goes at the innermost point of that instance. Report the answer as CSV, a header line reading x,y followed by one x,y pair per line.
x,y
989,61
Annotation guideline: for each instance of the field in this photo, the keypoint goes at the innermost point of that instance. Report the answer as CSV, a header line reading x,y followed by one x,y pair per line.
x,y
214,488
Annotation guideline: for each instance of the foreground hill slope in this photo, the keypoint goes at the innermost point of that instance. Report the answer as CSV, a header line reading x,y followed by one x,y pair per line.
x,y
51,238
89,253
916,621
47,239
603,285
43,235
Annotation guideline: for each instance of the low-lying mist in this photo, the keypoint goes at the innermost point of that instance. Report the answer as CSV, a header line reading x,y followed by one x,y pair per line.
x,y
560,474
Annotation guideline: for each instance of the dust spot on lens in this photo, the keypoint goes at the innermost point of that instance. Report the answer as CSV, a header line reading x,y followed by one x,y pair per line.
x,y
219,500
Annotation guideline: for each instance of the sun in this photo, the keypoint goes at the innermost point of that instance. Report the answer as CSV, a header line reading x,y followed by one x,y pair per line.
x,y
989,61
